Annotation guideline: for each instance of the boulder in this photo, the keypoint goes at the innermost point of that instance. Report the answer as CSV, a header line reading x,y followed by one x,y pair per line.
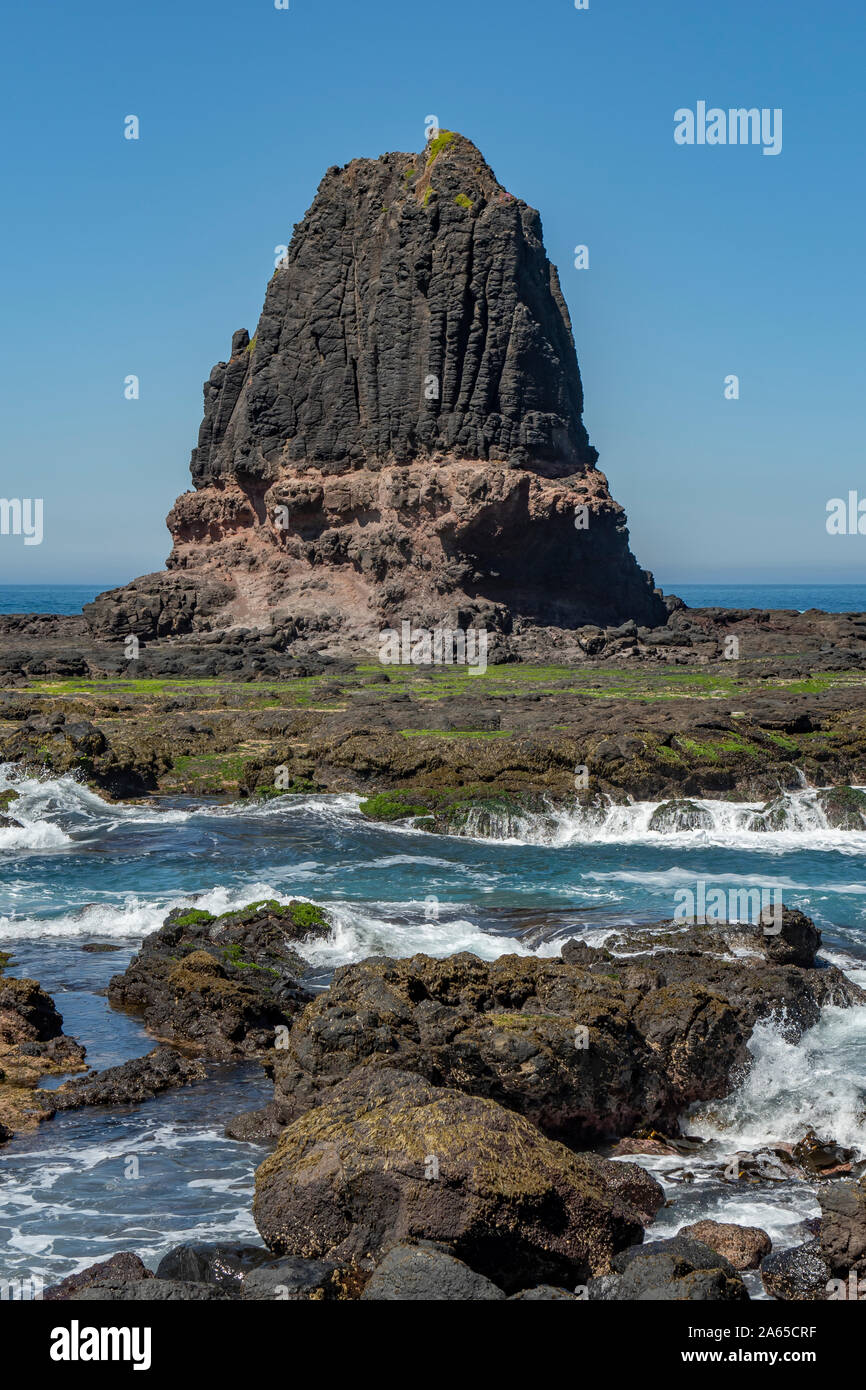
x,y
388,1158
131,1083
797,1275
224,983
294,1280
843,1227
742,1246
226,1265
425,1273
670,1271
150,1291
124,1267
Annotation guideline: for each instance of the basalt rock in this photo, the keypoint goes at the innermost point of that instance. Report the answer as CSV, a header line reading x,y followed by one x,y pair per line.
x,y
743,1246
427,1273
224,983
799,1275
131,1083
387,1158
588,1047
122,1268
843,1227
32,1045
677,1270
402,438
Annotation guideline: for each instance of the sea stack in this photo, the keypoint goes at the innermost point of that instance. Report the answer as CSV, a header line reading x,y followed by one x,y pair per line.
x,y
402,438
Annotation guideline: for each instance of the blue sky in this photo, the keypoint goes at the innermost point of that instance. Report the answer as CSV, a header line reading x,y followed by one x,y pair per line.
x,y
142,257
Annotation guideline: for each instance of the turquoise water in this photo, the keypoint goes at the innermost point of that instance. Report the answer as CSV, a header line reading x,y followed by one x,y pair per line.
x,y
81,870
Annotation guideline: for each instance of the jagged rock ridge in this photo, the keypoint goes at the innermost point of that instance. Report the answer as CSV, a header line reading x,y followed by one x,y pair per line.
x,y
402,439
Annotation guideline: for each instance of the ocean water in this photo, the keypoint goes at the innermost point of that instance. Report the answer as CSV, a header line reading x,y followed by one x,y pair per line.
x,y
833,598
82,871
48,598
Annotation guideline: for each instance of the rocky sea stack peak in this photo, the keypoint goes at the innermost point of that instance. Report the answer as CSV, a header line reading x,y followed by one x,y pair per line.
x,y
402,438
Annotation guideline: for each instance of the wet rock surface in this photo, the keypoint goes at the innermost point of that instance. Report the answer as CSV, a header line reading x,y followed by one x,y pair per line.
x,y
742,1246
797,1275
588,1047
131,1083
676,1270
32,1045
223,983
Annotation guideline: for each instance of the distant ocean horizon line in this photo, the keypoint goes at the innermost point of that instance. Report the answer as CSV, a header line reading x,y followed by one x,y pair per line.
x,y
66,600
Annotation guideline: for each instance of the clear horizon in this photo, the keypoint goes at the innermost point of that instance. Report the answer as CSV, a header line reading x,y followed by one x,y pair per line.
x,y
143,256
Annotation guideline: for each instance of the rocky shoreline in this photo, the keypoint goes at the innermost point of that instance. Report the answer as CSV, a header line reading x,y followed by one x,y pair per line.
x,y
635,721
460,1129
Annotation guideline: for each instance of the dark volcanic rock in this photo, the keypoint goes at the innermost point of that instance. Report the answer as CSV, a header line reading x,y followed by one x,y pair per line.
x,y
587,1047
292,1280
543,1293
388,1158
677,1270
130,1083
225,983
403,435
226,1265
798,1275
426,1273
843,1227
150,1291
124,1267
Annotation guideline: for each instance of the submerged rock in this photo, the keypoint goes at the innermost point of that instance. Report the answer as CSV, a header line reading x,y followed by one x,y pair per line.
x,y
388,1158
673,816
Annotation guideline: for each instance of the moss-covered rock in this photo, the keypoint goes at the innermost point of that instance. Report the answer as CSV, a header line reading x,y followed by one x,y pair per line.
x,y
844,807
225,983
387,1157
385,806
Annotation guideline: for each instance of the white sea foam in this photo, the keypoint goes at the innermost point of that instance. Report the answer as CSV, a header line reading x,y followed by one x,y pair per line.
x,y
818,1082
730,826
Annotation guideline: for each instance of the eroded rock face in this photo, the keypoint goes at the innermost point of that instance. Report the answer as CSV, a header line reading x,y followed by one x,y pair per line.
x,y
388,1158
403,437
587,1047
